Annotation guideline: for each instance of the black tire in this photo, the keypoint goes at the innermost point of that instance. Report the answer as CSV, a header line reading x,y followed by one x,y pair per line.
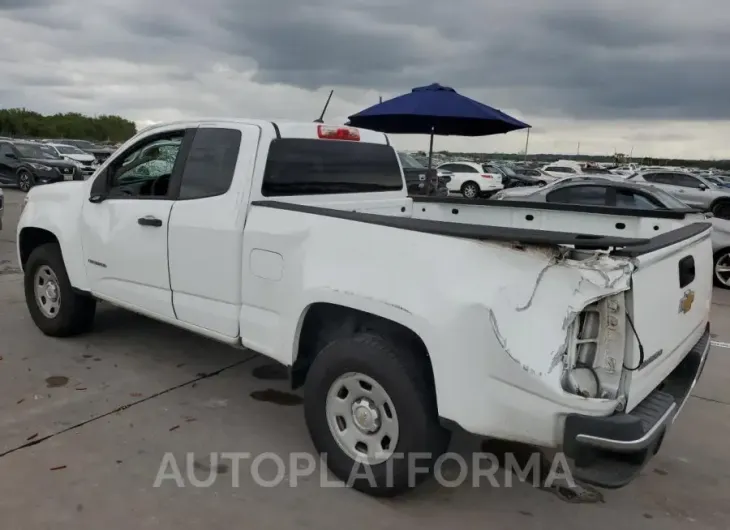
x,y
542,183
403,375
25,180
76,311
470,190
717,257
721,209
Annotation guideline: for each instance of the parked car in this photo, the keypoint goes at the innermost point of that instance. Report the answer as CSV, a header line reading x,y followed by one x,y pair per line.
x,y
299,241
86,162
101,153
415,174
593,191
471,180
535,173
25,164
693,190
512,179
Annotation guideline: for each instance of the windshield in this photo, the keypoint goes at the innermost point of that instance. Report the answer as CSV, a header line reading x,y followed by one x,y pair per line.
x,y
407,161
716,181
49,151
69,150
32,151
504,169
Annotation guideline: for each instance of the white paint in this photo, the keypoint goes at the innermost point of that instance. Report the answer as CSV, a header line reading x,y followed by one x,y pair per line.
x,y
495,317
721,344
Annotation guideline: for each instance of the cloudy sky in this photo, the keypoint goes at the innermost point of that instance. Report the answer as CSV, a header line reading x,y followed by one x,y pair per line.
x,y
647,75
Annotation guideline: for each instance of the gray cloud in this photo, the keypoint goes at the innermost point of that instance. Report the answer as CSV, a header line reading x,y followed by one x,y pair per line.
x,y
657,60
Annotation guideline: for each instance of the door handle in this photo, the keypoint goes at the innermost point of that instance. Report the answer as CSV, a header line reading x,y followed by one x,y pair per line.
x,y
149,221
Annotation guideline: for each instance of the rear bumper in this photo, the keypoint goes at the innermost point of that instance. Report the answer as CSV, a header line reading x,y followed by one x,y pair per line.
x,y
611,451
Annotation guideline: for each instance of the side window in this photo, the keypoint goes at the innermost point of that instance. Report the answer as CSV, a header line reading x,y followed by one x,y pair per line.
x,y
448,167
145,170
655,178
634,200
5,150
463,168
583,195
686,181
210,164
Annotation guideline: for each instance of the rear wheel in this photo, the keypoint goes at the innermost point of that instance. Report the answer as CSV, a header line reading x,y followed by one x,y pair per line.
x,y
54,306
372,415
721,269
25,180
470,190
542,183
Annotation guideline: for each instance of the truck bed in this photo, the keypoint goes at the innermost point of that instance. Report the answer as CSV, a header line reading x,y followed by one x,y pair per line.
x,y
443,222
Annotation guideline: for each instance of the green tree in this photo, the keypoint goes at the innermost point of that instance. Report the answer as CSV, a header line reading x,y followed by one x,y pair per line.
x,y
24,123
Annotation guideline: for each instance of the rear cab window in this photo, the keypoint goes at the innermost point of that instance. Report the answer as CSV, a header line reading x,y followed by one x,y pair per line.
x,y
303,166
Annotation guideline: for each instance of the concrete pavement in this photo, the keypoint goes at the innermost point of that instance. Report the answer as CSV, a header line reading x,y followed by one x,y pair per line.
x,y
85,424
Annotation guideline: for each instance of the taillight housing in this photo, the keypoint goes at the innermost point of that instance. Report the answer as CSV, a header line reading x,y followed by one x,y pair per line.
x,y
329,132
596,348
486,176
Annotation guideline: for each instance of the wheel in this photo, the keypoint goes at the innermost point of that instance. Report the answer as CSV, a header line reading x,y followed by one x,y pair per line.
x,y
542,183
470,190
55,307
368,406
25,180
721,269
721,209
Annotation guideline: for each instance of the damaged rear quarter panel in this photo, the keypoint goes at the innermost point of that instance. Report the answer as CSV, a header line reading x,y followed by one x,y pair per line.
x,y
530,317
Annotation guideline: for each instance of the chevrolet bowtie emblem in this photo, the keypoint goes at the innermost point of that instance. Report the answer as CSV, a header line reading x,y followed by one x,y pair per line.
x,y
685,304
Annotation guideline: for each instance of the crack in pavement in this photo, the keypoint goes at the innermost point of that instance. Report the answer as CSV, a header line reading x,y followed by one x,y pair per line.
x,y
719,401
128,405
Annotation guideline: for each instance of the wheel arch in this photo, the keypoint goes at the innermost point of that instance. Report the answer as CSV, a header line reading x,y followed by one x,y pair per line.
x,y
323,322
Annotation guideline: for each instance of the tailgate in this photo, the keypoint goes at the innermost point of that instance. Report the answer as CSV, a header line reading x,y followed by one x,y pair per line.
x,y
669,304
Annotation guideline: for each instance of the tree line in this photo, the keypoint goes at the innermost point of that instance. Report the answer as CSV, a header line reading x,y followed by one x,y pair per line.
x,y
24,123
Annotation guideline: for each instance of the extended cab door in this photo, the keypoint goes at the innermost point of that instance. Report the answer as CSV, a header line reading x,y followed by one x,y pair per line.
x,y
206,227
125,223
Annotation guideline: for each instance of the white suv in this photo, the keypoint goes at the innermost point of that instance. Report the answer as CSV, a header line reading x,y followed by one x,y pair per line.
x,y
471,180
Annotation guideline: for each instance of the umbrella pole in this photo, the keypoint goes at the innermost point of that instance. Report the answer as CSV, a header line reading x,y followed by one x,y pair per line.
x,y
430,150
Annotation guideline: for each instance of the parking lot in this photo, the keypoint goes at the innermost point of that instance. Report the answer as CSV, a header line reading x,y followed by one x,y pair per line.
x,y
86,422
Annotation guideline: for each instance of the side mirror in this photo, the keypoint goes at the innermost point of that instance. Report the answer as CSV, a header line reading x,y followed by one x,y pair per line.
x,y
703,187
98,190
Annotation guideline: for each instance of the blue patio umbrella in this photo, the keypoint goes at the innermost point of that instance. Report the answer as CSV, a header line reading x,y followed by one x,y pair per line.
x,y
435,110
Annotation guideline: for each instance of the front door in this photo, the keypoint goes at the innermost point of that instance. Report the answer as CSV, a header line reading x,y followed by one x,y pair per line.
x,y
124,225
8,163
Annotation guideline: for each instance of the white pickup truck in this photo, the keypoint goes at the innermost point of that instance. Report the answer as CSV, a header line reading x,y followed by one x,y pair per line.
x,y
568,327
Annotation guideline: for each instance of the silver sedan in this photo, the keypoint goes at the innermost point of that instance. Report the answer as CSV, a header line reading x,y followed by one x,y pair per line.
x,y
598,191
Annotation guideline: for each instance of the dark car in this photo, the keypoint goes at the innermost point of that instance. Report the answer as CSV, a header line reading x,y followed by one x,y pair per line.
x,y
100,152
26,164
415,174
512,179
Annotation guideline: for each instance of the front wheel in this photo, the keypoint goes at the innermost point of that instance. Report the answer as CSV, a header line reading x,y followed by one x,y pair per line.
x,y
25,180
372,416
54,306
721,269
721,209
